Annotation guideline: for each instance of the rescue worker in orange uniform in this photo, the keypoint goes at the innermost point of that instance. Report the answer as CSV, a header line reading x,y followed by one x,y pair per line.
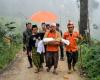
x,y
72,48
52,48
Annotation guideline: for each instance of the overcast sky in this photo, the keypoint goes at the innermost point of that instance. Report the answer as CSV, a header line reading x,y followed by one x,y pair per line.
x,y
24,8
65,9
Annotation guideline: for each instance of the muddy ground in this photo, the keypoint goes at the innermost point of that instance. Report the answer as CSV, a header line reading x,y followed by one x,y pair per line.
x,y
19,71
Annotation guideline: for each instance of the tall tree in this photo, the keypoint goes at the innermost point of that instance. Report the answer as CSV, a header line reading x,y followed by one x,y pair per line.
x,y
83,16
84,20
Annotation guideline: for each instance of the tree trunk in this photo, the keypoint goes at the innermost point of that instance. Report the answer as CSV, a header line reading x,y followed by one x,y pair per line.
x,y
84,20
83,16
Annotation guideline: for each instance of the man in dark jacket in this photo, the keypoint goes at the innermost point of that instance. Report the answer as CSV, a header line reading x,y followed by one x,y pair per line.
x,y
26,35
37,58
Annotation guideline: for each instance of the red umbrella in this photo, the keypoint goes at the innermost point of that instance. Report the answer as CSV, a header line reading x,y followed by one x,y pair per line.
x,y
44,16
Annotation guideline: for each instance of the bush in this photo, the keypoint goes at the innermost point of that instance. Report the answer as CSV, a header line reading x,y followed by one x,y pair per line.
x,y
91,61
8,51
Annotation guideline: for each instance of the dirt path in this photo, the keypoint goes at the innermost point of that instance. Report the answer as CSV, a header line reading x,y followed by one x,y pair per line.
x,y
19,71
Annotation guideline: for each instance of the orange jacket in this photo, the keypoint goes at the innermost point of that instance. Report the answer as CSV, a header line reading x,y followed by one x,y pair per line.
x,y
73,41
56,35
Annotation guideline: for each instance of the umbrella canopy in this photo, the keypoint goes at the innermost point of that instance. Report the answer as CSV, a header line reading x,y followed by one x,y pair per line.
x,y
44,16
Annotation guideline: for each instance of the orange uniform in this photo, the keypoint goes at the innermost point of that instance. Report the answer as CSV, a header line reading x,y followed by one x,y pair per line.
x,y
56,35
73,41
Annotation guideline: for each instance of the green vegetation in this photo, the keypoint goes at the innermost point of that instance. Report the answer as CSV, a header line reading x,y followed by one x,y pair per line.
x,y
7,54
90,60
10,41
